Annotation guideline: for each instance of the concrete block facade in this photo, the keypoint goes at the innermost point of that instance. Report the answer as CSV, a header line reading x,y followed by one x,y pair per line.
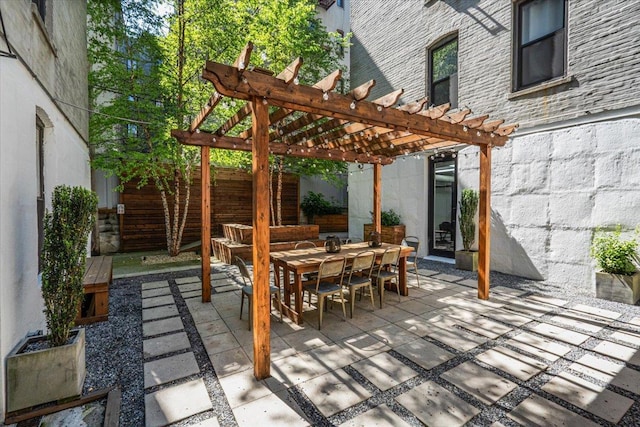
x,y
574,163
49,66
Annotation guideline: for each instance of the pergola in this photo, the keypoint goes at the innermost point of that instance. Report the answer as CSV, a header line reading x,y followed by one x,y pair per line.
x,y
315,122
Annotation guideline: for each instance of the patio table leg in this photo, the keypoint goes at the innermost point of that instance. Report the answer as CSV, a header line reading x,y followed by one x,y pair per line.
x,y
402,276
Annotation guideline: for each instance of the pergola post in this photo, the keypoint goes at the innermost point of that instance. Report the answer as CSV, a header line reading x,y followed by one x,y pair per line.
x,y
377,198
484,255
261,293
205,230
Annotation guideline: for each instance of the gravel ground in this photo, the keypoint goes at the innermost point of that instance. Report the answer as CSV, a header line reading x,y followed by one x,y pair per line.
x,y
114,355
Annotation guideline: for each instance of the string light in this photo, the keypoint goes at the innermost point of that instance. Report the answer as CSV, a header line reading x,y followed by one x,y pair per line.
x,y
325,96
352,105
379,108
296,81
264,101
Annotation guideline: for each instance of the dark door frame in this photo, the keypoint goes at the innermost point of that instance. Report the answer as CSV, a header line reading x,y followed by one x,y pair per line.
x,y
454,202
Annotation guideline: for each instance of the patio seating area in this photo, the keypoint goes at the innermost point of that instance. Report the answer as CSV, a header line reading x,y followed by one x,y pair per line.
x,y
439,356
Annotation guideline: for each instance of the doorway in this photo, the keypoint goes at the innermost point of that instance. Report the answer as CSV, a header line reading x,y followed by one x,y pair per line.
x,y
443,198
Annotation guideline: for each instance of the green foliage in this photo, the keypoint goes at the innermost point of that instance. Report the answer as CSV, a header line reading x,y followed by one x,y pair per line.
x,y
612,254
468,207
315,204
389,218
66,230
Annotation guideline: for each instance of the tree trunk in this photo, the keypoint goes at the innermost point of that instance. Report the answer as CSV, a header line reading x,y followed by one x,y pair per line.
x,y
165,209
187,199
273,217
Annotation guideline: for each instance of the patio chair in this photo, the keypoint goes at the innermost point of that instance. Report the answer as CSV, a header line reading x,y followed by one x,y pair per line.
x,y
328,282
360,277
305,244
247,289
387,271
412,259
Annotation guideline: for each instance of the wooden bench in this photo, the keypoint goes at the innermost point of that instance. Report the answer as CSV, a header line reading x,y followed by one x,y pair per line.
x,y
97,277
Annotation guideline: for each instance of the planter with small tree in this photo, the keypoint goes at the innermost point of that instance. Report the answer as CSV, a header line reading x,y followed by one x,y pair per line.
x,y
467,259
618,279
45,369
391,231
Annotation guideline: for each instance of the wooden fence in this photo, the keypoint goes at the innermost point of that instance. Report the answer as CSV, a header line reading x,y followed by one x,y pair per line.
x,y
231,202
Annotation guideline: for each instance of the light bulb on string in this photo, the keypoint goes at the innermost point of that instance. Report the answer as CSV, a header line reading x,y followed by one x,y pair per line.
x,y
325,96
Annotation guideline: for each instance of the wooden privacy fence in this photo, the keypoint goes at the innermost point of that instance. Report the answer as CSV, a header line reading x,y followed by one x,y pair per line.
x,y
231,202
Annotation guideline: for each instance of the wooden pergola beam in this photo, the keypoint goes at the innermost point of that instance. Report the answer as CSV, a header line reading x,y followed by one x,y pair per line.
x,y
206,110
330,104
484,223
205,229
233,143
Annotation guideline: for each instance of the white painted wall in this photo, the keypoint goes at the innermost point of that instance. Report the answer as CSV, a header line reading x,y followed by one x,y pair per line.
x,y
28,85
337,18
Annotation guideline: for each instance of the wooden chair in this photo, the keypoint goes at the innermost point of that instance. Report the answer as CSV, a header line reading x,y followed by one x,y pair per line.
x,y
387,271
360,277
412,259
328,282
247,289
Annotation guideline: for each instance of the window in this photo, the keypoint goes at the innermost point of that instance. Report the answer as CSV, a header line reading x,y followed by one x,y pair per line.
x,y
341,46
340,3
443,74
40,186
41,5
540,34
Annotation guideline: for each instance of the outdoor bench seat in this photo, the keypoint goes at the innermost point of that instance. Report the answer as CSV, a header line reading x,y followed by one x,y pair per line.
x,y
95,285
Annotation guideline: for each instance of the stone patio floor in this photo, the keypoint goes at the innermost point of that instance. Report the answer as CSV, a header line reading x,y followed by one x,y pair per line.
x,y
439,357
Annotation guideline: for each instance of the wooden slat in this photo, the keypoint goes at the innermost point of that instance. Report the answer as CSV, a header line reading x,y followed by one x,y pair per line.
x,y
389,99
484,223
456,117
362,91
505,130
205,230
492,125
206,110
329,83
436,112
414,107
242,113
475,122
261,306
112,411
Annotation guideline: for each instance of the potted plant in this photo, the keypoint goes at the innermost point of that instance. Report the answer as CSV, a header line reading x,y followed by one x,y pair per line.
x,y
45,369
392,231
618,279
314,205
467,259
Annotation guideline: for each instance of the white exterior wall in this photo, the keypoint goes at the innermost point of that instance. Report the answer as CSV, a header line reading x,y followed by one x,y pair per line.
x,y
337,18
27,85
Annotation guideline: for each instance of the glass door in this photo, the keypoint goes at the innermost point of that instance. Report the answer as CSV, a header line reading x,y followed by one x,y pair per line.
x,y
443,199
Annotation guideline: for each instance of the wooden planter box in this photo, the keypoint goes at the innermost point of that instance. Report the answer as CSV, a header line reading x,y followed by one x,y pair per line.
x,y
332,223
617,287
390,234
467,260
46,375
241,233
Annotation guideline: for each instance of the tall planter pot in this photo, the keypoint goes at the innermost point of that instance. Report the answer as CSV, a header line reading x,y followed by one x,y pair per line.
x,y
46,375
618,287
467,260
389,233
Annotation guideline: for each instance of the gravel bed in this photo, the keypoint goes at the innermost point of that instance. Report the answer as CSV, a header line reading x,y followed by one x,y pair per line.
x,y
114,356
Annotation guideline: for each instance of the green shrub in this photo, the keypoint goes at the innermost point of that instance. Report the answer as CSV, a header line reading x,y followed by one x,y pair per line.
x,y
315,204
389,218
612,254
468,208
66,230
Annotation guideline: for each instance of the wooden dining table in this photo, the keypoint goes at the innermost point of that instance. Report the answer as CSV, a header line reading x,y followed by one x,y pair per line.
x,y
300,261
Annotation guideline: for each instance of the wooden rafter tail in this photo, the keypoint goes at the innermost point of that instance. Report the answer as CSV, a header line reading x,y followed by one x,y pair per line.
x,y
492,125
290,73
414,107
235,143
242,62
456,117
206,110
362,91
436,112
506,129
329,82
475,122
389,99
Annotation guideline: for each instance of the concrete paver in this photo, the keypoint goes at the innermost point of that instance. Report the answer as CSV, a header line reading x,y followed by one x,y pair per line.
x,y
165,290
620,352
159,312
482,384
155,285
334,391
176,403
536,411
157,327
384,370
520,366
191,286
424,353
609,372
436,406
190,279
169,368
538,346
218,343
588,396
380,416
560,334
157,301
277,409
165,344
